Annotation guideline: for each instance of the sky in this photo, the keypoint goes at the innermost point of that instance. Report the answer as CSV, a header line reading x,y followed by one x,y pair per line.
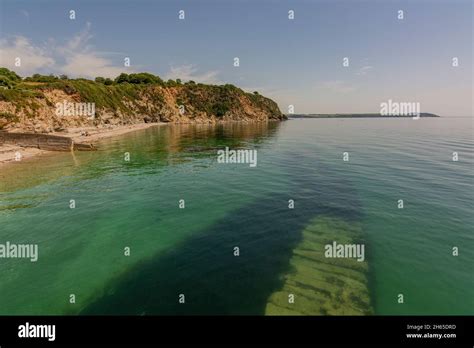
x,y
296,61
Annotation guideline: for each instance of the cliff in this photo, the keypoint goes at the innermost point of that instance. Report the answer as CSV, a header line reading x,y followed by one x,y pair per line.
x,y
44,104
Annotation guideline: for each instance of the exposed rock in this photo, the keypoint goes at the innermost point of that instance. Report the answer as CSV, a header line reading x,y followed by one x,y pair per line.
x,y
131,104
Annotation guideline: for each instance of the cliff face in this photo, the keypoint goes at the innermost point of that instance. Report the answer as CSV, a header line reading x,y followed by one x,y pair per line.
x,y
54,106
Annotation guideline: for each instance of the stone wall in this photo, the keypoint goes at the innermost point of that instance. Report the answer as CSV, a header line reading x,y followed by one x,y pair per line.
x,y
43,142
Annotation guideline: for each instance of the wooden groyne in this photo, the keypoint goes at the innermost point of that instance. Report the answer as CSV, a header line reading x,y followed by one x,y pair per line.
x,y
43,142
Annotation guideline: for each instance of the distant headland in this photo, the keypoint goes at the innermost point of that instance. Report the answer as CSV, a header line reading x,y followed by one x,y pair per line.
x,y
368,115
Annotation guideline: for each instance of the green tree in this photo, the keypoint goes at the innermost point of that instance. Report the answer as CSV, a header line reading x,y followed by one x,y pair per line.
x,y
171,83
42,78
122,78
10,75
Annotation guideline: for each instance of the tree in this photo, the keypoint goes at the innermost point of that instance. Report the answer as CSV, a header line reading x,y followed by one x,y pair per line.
x,y
171,83
144,78
63,77
108,82
10,75
122,78
42,78
99,79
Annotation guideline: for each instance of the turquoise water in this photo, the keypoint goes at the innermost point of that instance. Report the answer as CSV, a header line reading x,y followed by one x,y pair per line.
x,y
190,251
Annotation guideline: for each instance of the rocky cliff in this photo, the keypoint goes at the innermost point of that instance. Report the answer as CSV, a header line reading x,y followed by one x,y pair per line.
x,y
44,104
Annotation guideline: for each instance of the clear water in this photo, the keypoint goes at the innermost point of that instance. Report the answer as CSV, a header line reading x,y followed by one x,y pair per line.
x,y
190,251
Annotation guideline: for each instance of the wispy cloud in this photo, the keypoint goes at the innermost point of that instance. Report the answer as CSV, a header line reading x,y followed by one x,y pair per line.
x,y
26,14
89,65
190,72
76,57
30,57
82,60
364,70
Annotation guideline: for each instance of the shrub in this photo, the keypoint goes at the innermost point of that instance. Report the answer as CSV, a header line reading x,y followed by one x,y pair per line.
x,y
144,78
42,78
171,83
122,78
10,75
6,82
9,116
219,109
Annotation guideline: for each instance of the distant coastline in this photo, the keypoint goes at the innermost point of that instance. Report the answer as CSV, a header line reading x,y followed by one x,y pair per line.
x,y
368,115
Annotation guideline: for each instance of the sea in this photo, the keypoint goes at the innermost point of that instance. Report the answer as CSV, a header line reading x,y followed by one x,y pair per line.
x,y
153,224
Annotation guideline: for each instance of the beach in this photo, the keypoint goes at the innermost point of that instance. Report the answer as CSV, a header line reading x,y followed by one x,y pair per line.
x,y
88,135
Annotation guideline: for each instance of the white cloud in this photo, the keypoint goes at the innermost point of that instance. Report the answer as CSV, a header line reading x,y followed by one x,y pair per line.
x,y
190,72
79,41
32,58
76,58
81,59
89,65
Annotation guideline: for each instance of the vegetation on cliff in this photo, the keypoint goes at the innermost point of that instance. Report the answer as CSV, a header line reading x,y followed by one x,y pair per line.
x,y
129,98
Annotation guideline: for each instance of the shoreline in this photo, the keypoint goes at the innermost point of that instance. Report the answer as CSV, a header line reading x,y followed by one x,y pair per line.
x,y
81,135
8,152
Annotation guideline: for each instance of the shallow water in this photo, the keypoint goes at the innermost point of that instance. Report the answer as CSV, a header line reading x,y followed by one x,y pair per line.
x,y
190,251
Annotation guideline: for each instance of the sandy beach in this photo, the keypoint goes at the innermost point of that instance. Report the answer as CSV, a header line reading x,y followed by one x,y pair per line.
x,y
9,153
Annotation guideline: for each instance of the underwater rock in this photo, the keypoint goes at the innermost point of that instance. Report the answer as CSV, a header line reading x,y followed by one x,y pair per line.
x,y
317,285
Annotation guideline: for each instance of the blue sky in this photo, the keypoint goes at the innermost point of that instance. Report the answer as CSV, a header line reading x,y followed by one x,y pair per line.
x,y
296,62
